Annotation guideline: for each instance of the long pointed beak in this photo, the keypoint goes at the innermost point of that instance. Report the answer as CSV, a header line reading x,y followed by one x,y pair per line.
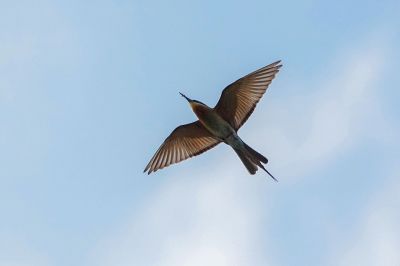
x,y
183,95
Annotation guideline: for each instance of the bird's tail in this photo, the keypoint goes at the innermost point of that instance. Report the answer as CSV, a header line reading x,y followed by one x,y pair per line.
x,y
251,159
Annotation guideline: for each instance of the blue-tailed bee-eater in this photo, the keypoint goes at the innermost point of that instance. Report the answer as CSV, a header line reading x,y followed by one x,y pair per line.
x,y
219,124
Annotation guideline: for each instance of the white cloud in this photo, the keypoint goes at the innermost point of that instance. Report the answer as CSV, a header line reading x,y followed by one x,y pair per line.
x,y
377,239
196,221
307,132
218,220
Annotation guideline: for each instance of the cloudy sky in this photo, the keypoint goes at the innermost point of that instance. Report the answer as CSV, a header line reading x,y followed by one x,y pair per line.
x,y
89,90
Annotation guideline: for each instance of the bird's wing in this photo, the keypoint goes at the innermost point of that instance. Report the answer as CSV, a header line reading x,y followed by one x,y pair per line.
x,y
184,142
239,99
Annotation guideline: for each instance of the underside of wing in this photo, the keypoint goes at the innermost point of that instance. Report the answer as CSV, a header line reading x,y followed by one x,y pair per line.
x,y
184,142
238,100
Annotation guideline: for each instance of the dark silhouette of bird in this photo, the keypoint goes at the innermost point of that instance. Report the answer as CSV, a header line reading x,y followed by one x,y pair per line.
x,y
219,124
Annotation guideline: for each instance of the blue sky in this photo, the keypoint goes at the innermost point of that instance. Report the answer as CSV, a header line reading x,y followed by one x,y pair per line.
x,y
89,90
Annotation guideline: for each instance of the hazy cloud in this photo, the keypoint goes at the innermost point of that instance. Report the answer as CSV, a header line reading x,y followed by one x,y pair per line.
x,y
306,132
202,220
377,240
197,221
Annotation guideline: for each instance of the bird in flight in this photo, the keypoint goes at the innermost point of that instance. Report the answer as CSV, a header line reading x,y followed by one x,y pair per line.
x,y
219,124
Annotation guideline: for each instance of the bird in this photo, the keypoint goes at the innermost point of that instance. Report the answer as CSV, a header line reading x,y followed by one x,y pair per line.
x,y
219,124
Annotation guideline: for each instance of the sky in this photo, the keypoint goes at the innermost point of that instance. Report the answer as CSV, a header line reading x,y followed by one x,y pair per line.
x,y
89,90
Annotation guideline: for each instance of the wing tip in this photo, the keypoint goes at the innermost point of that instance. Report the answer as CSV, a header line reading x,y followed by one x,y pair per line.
x,y
147,172
278,64
275,66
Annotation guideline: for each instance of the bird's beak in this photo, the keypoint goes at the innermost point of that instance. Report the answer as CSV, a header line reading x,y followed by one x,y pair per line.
x,y
183,95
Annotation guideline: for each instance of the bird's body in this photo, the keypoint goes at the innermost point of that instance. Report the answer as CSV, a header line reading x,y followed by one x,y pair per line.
x,y
212,121
216,125
219,124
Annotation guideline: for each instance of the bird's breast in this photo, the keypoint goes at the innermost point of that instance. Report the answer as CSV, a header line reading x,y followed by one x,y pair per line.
x,y
213,122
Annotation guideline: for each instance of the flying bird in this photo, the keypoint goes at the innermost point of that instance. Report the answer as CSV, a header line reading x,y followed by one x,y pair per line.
x,y
219,124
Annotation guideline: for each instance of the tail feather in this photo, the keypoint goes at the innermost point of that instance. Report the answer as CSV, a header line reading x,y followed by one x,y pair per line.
x,y
255,154
262,167
251,167
251,159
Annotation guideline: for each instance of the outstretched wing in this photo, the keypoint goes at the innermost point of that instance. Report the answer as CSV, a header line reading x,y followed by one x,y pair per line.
x,y
184,142
239,99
